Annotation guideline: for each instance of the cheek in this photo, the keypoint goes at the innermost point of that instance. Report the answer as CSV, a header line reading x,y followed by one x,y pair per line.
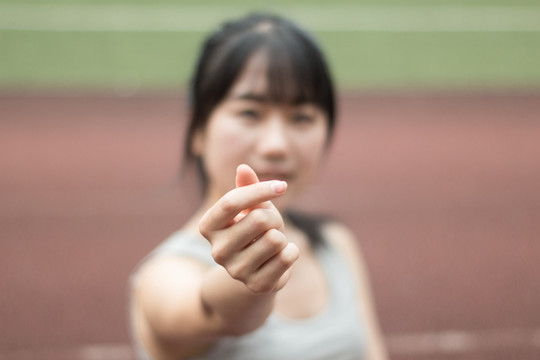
x,y
226,138
225,147
312,148
309,151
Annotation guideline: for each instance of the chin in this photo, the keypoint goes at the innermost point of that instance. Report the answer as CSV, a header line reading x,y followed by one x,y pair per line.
x,y
283,203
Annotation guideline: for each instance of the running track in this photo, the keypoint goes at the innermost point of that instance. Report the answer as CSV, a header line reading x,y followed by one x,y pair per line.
x,y
441,189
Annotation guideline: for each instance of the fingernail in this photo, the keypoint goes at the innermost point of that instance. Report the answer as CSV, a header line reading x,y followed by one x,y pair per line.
x,y
279,187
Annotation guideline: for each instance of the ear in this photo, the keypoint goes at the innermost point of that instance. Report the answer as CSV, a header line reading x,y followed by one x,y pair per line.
x,y
197,143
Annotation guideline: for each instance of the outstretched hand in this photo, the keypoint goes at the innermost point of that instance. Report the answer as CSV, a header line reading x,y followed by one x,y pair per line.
x,y
246,233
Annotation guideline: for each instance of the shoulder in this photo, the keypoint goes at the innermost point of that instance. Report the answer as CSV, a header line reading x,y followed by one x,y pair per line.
x,y
162,282
341,237
179,246
169,275
174,265
164,297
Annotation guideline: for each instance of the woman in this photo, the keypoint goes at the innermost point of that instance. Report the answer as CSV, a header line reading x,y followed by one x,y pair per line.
x,y
244,278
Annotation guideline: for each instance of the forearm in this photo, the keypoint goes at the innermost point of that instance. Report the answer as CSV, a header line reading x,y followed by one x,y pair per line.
x,y
245,231
233,308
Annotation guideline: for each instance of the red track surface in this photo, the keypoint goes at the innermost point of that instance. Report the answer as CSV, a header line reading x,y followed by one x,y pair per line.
x,y
442,191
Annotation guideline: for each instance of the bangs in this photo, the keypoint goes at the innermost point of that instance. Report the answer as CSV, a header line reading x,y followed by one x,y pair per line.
x,y
296,69
295,75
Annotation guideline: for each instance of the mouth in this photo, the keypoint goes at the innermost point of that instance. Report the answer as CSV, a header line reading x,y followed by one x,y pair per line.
x,y
274,176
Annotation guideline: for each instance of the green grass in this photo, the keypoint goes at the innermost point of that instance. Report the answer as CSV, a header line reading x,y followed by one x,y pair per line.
x,y
97,60
426,60
263,3
164,60
366,60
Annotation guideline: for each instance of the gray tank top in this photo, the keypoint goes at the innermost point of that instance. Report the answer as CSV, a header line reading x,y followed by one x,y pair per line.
x,y
336,333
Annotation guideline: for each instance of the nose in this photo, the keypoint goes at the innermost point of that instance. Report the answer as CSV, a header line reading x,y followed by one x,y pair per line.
x,y
274,139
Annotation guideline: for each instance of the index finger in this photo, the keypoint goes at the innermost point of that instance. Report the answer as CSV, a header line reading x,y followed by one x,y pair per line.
x,y
232,203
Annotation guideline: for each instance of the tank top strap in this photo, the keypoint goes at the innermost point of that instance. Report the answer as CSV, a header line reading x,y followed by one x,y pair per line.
x,y
340,277
187,244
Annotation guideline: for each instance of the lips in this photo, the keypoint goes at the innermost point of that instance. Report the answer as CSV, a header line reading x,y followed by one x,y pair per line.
x,y
267,176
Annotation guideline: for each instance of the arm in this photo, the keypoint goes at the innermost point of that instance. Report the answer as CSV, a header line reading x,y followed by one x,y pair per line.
x,y
346,243
182,306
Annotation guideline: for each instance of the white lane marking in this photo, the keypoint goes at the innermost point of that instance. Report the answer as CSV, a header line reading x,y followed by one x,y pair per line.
x,y
196,18
438,342
462,341
106,352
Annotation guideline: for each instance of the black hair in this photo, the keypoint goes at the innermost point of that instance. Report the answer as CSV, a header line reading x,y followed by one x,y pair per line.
x,y
297,70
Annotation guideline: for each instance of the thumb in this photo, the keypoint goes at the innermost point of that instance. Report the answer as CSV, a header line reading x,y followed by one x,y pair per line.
x,y
245,176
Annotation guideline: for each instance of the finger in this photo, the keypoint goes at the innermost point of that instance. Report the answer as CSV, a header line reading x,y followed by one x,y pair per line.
x,y
245,263
245,176
225,209
229,243
264,248
274,273
256,222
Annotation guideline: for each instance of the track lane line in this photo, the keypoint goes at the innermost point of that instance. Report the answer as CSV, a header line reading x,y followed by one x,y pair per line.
x,y
338,18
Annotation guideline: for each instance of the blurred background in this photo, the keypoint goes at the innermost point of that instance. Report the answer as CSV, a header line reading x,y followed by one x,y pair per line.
x,y
435,164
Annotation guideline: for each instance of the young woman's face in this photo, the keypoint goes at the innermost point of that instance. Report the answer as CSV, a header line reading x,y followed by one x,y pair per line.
x,y
279,141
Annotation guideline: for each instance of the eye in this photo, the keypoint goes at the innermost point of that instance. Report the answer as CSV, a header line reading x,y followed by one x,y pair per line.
x,y
303,118
249,114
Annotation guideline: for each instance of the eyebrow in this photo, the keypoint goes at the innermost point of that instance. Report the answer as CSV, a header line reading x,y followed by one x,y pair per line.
x,y
263,98
252,97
